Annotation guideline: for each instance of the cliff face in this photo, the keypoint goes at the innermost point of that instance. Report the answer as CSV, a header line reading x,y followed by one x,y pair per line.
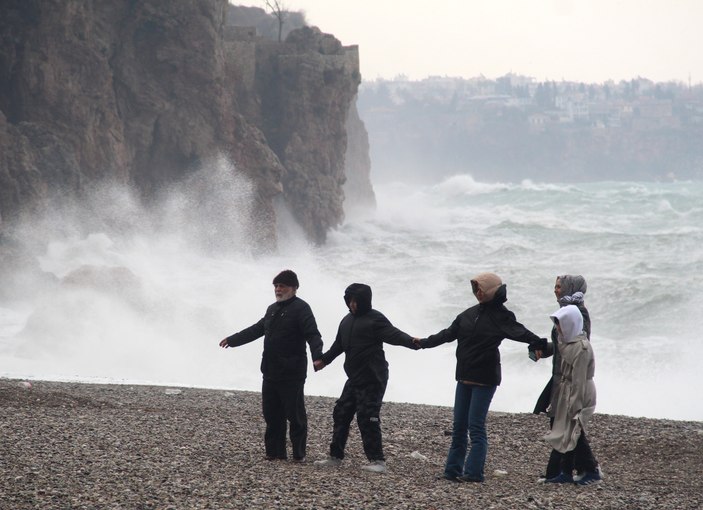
x,y
307,86
142,92
358,191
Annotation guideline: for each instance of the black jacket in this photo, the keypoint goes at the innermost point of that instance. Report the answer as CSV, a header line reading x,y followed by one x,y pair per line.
x,y
480,331
361,336
285,327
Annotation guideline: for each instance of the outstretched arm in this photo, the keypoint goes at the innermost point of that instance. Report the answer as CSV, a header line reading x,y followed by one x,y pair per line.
x,y
244,336
392,335
446,335
513,330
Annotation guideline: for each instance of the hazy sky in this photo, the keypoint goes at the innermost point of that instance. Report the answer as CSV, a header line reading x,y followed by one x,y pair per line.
x,y
579,40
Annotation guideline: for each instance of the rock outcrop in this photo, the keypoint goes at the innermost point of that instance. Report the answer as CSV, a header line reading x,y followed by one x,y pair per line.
x,y
358,191
307,86
141,93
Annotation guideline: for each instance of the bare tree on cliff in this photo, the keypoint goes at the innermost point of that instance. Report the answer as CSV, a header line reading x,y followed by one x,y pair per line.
x,y
279,10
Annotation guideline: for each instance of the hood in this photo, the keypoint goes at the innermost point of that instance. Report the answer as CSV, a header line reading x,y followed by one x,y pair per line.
x,y
489,283
573,287
571,322
362,293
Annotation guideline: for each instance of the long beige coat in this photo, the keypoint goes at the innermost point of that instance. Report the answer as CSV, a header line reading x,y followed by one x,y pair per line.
x,y
575,399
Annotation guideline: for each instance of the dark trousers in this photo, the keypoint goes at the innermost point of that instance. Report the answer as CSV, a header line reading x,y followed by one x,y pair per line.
x,y
365,401
580,458
281,402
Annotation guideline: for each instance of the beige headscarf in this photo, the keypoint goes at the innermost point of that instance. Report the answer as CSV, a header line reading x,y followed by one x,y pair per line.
x,y
489,283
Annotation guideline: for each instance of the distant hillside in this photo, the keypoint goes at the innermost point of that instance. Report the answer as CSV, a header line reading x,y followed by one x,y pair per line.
x,y
514,128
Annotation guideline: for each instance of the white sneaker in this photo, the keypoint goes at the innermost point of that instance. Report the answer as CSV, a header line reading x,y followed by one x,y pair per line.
x,y
329,462
376,466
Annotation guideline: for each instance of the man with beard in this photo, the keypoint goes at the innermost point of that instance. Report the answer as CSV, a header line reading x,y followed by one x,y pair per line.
x,y
287,325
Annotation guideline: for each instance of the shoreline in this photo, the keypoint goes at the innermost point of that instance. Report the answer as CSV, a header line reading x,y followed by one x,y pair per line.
x,y
90,445
104,382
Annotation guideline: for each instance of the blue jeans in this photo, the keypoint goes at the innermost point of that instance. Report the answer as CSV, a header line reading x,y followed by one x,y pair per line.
x,y
471,405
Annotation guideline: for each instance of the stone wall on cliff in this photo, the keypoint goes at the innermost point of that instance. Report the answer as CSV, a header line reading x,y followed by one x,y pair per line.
x,y
141,93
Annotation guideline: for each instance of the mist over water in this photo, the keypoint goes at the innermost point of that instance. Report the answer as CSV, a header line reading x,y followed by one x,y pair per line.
x,y
144,296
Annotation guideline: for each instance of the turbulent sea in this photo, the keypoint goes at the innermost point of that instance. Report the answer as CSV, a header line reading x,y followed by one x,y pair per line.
x,y
162,289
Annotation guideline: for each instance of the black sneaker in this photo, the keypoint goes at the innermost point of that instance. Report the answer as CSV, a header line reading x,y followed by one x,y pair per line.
x,y
449,478
561,478
467,478
544,478
578,476
591,478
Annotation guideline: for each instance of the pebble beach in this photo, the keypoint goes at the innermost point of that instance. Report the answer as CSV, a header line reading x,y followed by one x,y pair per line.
x,y
111,446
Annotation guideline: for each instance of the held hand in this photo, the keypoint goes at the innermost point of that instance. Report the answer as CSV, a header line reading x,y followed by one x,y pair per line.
x,y
417,343
536,349
224,344
534,355
318,364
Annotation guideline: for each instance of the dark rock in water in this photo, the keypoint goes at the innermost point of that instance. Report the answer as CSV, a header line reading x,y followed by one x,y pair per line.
x,y
67,308
117,279
142,93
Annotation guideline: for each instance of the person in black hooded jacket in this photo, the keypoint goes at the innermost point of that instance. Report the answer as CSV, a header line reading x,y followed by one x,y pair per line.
x,y
286,326
360,336
479,331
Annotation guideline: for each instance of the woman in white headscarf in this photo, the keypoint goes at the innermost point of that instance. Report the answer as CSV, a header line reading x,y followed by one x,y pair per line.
x,y
575,399
568,290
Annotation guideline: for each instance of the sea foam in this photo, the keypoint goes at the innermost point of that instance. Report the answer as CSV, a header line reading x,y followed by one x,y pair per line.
x,y
149,300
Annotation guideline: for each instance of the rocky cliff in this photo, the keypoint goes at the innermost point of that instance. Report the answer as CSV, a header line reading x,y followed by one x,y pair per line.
x,y
141,93
358,191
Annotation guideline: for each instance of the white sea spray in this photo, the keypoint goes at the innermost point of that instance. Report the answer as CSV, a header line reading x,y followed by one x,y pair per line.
x,y
166,296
